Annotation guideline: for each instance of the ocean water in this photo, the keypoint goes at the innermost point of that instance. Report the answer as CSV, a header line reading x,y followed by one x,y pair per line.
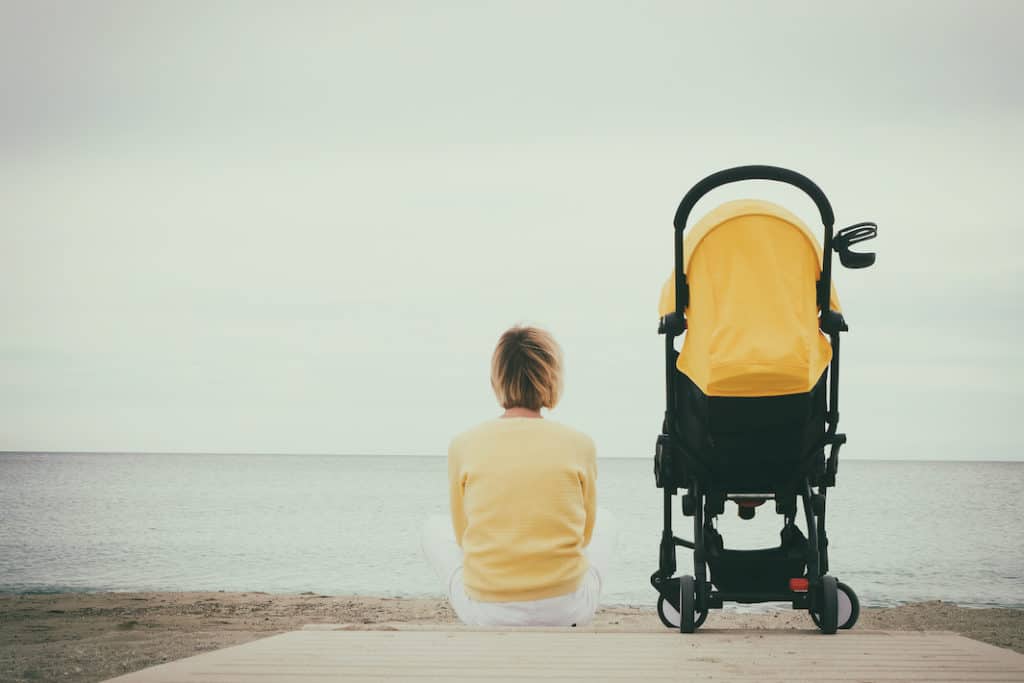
x,y
899,531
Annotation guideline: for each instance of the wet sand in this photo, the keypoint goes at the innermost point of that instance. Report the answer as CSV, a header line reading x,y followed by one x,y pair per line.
x,y
94,636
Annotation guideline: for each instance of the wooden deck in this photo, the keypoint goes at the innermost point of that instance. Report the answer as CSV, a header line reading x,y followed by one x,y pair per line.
x,y
473,655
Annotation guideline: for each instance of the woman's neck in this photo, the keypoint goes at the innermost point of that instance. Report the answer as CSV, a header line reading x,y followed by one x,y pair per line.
x,y
522,412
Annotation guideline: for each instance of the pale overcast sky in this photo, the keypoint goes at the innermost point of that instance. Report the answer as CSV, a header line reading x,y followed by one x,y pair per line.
x,y
301,227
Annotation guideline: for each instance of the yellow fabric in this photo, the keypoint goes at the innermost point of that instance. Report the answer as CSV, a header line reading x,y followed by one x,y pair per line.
x,y
752,320
523,504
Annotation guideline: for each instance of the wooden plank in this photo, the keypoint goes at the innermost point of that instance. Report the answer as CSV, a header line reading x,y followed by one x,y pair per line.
x,y
433,655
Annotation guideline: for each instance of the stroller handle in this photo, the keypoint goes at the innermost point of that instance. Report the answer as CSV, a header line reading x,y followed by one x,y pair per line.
x,y
755,172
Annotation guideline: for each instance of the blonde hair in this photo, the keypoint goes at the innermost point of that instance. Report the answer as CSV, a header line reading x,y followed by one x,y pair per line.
x,y
526,369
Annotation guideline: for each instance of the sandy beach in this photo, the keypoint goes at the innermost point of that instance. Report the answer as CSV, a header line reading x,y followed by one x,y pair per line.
x,y
94,636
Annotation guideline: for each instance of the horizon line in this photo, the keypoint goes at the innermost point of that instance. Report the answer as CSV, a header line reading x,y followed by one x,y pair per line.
x,y
421,455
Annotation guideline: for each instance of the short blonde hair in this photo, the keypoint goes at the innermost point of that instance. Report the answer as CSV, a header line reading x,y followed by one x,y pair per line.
x,y
526,369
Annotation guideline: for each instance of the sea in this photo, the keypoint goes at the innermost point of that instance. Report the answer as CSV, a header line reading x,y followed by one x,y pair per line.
x,y
900,531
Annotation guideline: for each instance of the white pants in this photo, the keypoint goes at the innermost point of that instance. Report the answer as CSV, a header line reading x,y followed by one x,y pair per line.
x,y
445,556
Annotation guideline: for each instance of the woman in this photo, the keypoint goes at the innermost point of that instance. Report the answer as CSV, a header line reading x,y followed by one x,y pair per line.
x,y
523,503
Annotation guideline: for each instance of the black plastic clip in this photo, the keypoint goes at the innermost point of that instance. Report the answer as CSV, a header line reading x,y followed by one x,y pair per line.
x,y
832,465
663,462
833,322
673,324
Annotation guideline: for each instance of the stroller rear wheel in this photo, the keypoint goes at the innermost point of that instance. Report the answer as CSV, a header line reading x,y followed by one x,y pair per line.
x,y
848,608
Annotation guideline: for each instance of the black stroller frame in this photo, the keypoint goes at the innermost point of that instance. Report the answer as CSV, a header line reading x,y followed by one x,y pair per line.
x,y
754,576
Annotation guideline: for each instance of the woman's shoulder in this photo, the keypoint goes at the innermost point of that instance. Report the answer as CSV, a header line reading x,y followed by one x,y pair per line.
x,y
570,433
499,428
482,433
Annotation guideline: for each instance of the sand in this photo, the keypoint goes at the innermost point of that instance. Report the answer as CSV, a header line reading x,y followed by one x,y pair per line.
x,y
94,636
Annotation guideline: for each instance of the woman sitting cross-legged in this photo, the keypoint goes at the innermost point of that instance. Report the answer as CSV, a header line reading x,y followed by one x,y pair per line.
x,y
523,503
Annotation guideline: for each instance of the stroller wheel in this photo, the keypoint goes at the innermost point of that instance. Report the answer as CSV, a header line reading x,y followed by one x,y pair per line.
x,y
827,619
687,605
848,608
669,615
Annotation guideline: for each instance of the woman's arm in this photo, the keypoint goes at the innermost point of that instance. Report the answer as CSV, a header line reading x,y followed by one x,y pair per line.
x,y
588,482
456,489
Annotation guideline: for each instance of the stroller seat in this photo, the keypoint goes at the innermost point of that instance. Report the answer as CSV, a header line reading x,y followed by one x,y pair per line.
x,y
752,398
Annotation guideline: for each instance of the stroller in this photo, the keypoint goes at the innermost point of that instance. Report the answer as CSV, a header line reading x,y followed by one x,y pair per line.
x,y
752,400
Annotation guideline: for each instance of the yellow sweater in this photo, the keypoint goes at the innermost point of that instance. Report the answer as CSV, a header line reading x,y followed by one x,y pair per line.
x,y
523,504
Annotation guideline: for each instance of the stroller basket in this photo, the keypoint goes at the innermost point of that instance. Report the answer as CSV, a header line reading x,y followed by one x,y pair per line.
x,y
757,572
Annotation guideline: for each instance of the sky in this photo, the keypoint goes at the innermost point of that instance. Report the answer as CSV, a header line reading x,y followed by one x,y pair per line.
x,y
301,227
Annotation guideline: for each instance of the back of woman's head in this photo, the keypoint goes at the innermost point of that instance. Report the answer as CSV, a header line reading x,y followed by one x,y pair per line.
x,y
526,369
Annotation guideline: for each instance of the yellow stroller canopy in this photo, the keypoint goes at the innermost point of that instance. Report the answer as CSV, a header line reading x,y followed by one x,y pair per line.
x,y
752,317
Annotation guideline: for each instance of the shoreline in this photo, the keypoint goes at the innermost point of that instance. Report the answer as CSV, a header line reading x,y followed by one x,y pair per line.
x,y
85,637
